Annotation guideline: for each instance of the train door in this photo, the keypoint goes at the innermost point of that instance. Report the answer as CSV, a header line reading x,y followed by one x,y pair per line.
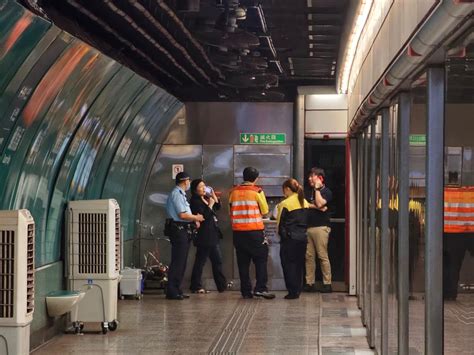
x,y
331,156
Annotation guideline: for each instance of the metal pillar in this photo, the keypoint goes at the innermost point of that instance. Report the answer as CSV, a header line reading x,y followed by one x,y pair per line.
x,y
434,212
404,111
298,139
373,204
384,235
360,296
365,226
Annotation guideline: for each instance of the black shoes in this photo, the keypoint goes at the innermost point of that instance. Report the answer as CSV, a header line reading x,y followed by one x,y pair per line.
x,y
264,294
309,288
291,297
176,298
326,289
247,297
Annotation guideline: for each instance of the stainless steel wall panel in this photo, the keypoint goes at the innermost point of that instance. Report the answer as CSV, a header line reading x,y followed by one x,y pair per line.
x,y
216,173
160,184
273,163
222,122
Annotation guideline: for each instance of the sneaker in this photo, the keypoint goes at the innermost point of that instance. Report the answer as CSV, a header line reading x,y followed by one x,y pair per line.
x,y
291,297
326,289
309,288
264,294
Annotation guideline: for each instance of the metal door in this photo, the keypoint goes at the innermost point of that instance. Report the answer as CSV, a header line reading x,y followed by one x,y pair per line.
x,y
330,155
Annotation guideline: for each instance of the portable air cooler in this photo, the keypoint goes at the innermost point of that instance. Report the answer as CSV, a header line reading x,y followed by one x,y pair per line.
x,y
17,280
94,260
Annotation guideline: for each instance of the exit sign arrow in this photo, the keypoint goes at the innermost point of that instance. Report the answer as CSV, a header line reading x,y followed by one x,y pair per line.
x,y
262,138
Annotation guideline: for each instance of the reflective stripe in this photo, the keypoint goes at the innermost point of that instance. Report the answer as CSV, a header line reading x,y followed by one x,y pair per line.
x,y
458,209
247,220
244,212
244,203
458,218
459,204
459,223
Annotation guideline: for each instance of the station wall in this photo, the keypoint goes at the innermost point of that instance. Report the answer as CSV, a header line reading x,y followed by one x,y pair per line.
x,y
74,124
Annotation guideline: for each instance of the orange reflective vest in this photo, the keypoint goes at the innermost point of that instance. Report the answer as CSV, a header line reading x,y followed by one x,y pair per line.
x,y
244,209
459,210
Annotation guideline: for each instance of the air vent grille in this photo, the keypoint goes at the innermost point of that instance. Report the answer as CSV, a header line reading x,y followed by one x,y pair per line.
x,y
7,273
30,286
117,240
92,257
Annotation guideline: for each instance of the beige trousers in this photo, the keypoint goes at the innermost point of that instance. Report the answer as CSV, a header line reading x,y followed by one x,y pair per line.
x,y
318,244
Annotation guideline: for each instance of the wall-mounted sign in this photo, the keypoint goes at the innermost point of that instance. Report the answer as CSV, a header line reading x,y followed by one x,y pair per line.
x,y
262,138
175,169
417,139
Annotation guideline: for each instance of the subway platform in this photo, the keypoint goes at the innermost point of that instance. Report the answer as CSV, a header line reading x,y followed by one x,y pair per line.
x,y
225,323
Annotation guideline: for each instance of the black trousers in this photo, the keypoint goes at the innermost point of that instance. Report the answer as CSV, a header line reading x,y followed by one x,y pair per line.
x,y
292,256
179,257
249,247
455,248
214,254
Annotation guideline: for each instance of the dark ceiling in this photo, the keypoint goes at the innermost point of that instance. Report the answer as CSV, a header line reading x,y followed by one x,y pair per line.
x,y
209,50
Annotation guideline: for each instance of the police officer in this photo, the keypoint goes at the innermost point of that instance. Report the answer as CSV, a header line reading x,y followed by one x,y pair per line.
x,y
247,205
183,226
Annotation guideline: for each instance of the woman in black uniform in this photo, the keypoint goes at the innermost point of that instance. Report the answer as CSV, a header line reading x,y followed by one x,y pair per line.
x,y
207,239
292,224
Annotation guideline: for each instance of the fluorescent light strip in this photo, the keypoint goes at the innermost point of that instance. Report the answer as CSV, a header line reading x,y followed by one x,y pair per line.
x,y
353,43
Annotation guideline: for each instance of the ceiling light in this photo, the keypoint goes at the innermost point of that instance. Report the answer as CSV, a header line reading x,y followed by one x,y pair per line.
x,y
352,44
252,78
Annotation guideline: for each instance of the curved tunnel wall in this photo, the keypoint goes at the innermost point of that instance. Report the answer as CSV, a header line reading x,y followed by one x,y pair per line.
x,y
74,124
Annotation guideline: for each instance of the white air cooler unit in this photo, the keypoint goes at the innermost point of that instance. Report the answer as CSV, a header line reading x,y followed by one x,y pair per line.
x,y
94,260
17,280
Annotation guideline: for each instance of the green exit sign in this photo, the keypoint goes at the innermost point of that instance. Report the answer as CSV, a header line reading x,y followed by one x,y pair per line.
x,y
417,139
262,138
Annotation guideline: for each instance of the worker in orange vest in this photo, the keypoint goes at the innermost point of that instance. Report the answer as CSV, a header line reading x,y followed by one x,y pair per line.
x,y
247,207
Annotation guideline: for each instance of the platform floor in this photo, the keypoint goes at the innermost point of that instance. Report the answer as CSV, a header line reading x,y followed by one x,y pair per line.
x,y
225,323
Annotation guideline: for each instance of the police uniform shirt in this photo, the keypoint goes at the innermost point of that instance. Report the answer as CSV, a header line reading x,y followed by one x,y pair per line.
x,y
177,203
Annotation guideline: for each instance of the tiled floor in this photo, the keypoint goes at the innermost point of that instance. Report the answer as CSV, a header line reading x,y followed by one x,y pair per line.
x,y
225,323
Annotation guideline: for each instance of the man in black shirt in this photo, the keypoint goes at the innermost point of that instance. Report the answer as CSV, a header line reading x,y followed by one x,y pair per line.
x,y
318,231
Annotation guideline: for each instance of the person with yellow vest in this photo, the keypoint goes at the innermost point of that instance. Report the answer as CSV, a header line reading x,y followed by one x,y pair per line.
x,y
292,224
247,206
